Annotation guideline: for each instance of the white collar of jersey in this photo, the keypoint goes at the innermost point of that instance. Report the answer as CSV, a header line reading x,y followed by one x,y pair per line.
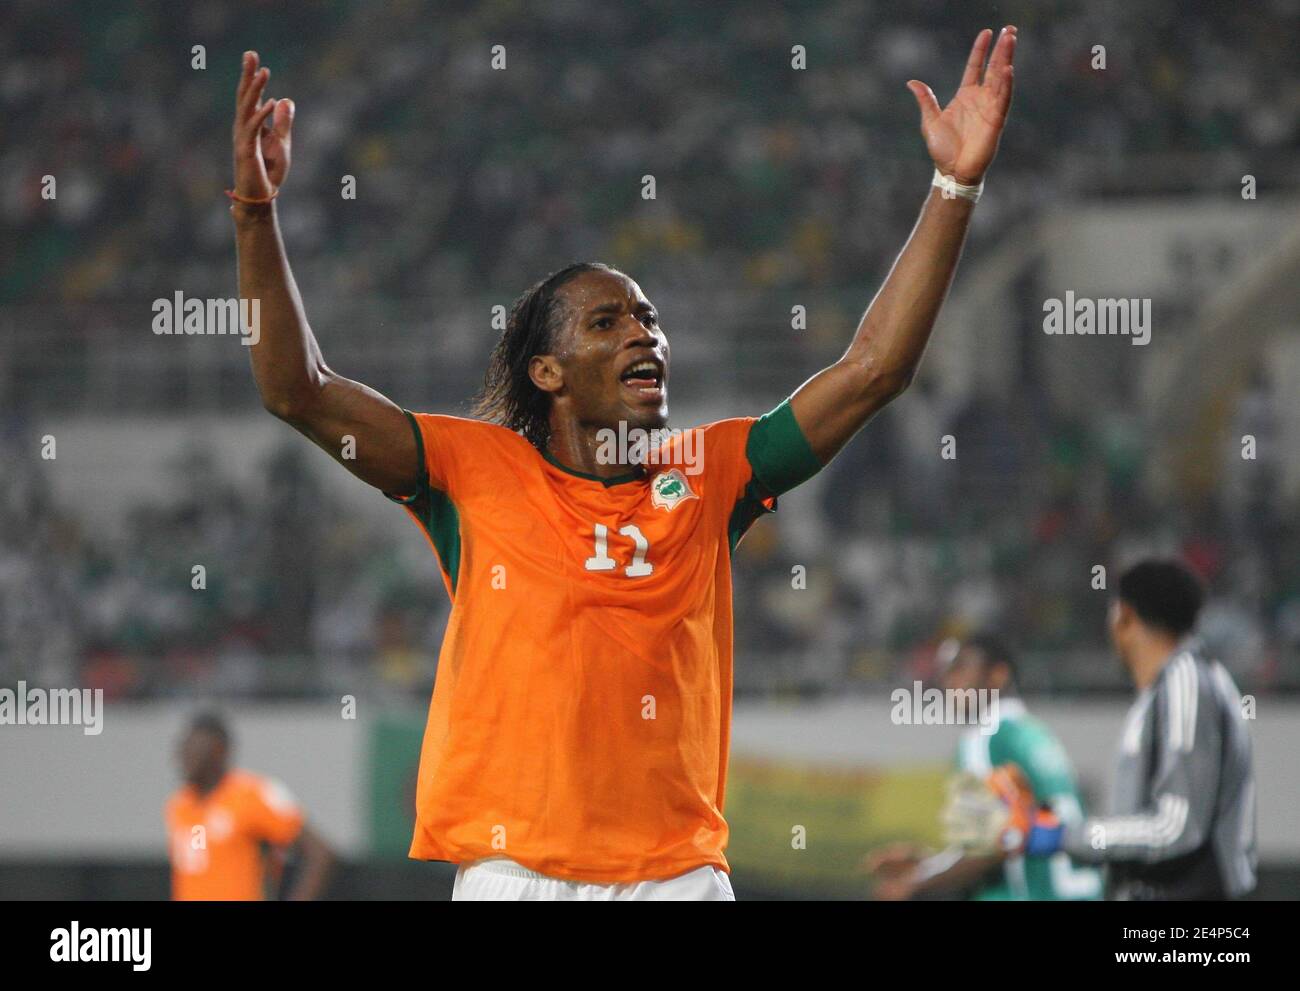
x,y
1190,644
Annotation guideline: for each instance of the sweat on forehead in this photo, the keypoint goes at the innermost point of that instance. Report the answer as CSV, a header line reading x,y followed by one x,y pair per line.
x,y
591,288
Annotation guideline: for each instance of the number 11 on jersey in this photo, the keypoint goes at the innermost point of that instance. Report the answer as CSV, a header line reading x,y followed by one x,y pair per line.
x,y
601,561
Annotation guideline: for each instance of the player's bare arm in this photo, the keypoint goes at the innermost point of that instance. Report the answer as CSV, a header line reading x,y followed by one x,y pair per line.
x,y
879,364
901,871
295,383
317,861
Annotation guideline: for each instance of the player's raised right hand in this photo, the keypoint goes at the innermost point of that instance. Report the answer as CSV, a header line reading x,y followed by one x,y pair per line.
x,y
261,134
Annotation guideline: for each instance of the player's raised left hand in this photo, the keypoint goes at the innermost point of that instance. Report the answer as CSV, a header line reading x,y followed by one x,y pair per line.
x,y
962,138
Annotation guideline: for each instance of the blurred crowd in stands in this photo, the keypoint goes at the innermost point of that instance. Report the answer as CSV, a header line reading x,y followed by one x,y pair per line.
x,y
470,179
293,594
299,597
474,182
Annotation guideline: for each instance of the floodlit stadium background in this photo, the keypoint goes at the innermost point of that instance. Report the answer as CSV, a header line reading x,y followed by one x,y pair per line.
x,y
775,188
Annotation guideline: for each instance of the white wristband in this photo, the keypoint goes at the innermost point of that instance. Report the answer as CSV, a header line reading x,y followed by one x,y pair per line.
x,y
951,188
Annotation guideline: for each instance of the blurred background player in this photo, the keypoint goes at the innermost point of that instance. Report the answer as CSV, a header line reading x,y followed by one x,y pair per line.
x,y
985,663
1182,820
231,831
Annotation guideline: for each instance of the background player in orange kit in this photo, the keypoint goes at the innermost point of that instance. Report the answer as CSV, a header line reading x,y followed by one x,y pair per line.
x,y
578,735
225,824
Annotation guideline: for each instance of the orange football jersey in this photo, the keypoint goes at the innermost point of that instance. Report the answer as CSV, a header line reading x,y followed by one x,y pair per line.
x,y
216,840
581,711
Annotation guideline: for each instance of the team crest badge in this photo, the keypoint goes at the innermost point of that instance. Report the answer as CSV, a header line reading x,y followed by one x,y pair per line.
x,y
669,488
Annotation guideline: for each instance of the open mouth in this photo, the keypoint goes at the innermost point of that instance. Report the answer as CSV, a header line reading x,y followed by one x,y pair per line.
x,y
645,377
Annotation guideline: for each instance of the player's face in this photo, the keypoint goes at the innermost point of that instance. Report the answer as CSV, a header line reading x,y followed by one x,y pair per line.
x,y
612,354
965,671
202,756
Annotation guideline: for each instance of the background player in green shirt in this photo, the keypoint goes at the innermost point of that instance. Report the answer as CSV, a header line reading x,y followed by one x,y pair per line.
x,y
903,871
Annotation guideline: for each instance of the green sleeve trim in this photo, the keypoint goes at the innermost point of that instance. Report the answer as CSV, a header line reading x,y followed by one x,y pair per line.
x,y
779,453
435,511
441,521
749,507
423,482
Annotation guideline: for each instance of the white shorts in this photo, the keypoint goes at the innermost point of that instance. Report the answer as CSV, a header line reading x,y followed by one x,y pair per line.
x,y
499,879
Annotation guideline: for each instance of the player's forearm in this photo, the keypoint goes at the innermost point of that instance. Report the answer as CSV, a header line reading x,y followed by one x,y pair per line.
x,y
892,336
962,140
317,863
1143,839
886,350
286,359
952,871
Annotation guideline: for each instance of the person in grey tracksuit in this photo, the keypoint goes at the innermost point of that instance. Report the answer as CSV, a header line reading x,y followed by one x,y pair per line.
x,y
1182,816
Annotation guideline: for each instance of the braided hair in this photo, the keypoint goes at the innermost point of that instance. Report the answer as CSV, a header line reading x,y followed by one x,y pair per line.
x,y
509,396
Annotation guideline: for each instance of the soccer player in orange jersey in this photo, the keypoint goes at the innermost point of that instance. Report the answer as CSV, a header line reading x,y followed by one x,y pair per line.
x,y
224,825
578,735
